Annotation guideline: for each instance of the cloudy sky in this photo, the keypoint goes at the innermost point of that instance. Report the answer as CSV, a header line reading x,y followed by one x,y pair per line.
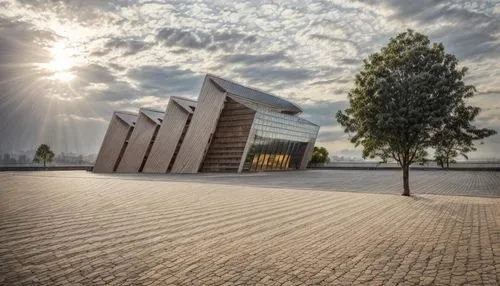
x,y
65,66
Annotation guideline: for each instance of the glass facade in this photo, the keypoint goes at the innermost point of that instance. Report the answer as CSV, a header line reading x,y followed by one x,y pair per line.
x,y
278,141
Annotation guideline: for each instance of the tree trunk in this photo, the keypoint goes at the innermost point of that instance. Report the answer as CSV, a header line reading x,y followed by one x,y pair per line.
x,y
44,163
406,180
447,163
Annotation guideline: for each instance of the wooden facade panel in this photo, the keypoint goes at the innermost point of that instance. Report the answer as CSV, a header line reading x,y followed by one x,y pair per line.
x,y
111,145
223,146
232,123
138,144
233,139
240,111
219,158
167,139
237,118
233,133
205,117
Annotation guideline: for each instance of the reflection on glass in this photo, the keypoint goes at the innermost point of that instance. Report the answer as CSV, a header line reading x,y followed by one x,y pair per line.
x,y
274,154
278,142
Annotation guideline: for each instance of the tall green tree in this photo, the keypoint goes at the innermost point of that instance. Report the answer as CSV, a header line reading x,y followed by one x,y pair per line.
x,y
319,155
403,97
43,154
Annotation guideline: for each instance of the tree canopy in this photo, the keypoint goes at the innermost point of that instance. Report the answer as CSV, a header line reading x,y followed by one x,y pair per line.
x,y
451,142
319,155
43,154
405,99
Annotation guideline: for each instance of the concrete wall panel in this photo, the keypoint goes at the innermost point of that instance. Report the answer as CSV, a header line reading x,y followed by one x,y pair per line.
x,y
307,154
111,145
205,117
138,144
166,141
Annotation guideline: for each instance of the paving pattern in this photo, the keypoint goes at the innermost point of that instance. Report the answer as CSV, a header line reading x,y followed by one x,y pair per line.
x,y
77,228
435,182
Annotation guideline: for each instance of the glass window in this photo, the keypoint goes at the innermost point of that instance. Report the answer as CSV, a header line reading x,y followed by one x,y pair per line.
x,y
289,157
279,142
286,146
281,154
263,154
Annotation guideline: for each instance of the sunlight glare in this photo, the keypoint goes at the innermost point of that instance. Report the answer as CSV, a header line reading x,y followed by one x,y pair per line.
x,y
62,62
63,76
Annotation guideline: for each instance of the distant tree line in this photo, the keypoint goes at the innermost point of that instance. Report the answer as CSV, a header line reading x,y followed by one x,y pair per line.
x,y
9,159
36,157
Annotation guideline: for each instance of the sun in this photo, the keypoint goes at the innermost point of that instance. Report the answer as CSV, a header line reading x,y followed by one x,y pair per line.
x,y
62,62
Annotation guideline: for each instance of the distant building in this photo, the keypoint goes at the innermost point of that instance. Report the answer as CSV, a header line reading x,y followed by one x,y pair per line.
x,y
231,128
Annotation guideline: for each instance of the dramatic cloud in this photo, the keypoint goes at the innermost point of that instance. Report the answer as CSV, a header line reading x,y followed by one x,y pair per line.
x,y
128,47
275,76
468,29
249,59
65,66
93,73
166,81
202,40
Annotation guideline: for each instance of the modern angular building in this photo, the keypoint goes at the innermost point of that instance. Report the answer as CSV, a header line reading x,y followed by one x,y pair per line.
x,y
115,141
231,128
170,135
141,140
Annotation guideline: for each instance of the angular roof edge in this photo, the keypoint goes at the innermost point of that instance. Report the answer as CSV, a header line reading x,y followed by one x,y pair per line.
x,y
150,109
126,116
307,121
183,98
255,95
186,103
126,112
151,114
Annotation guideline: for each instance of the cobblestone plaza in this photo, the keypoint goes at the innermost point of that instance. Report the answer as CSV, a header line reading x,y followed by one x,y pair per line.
x,y
291,228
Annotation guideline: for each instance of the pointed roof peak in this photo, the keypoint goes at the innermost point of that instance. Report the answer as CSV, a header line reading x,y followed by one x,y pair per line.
x,y
153,114
126,116
187,104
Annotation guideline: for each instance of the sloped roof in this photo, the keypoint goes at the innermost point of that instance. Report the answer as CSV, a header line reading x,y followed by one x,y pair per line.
x,y
127,117
305,121
255,95
155,115
188,104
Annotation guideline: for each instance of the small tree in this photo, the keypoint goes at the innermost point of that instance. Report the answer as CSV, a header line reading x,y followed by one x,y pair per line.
x,y
319,156
457,137
403,98
444,159
43,154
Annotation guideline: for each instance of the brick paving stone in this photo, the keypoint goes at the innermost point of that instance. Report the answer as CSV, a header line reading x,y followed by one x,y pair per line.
x,y
78,228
